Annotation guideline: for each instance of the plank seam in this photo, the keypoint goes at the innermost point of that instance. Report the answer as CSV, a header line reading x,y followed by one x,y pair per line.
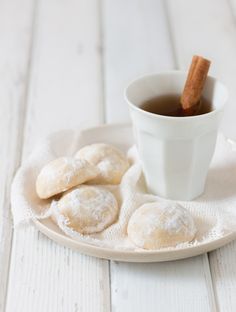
x,y
102,61
6,191
109,282
103,108
30,66
170,32
21,134
211,287
231,9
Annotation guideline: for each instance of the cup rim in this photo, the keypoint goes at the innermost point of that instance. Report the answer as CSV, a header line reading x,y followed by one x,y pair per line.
x,y
173,118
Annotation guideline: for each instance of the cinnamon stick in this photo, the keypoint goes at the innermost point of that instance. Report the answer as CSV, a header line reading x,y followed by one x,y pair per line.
x,y
190,99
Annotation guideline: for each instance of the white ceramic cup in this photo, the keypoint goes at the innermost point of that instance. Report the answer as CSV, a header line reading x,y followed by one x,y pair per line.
x,y
175,151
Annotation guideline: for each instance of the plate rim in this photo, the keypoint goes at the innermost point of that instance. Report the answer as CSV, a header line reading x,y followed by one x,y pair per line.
x,y
134,256
128,255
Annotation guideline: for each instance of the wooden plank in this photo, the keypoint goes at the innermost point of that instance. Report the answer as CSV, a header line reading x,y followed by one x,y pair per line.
x,y
15,46
223,260
65,88
194,27
172,286
64,91
47,277
208,29
223,270
137,41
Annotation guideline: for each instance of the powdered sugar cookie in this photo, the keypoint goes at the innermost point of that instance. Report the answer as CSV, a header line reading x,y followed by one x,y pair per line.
x,y
88,209
111,162
155,225
62,174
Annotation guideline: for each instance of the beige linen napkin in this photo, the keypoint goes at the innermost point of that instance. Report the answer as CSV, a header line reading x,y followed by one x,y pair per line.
x,y
214,212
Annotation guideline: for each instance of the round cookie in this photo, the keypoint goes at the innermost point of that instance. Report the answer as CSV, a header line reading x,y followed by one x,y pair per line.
x,y
62,174
154,226
88,209
111,162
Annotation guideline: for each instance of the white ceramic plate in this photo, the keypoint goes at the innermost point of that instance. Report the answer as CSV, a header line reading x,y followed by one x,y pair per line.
x,y
121,136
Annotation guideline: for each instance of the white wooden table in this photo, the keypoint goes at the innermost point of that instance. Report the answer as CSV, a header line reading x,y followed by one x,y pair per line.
x,y
63,64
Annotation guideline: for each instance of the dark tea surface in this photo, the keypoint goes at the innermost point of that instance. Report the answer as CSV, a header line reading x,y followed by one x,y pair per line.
x,y
169,105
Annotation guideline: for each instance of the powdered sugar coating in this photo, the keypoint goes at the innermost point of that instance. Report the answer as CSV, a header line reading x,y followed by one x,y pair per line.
x,y
110,161
157,225
88,209
62,174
